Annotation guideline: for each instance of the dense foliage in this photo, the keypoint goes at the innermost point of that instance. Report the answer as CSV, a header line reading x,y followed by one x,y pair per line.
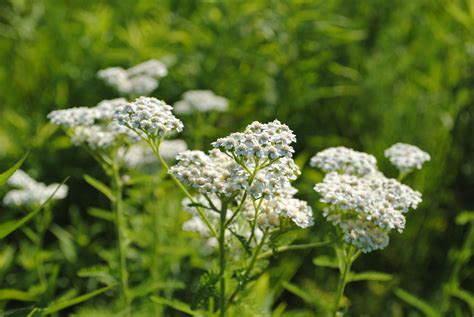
x,y
339,73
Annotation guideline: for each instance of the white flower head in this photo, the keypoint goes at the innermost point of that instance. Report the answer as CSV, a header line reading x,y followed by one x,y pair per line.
x,y
366,209
270,140
73,117
344,160
30,192
201,101
140,79
406,157
149,115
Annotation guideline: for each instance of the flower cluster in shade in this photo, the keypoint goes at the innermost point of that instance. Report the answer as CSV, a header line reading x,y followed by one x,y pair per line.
x,y
138,80
149,117
362,202
140,154
282,207
238,227
201,101
406,157
30,192
255,165
94,126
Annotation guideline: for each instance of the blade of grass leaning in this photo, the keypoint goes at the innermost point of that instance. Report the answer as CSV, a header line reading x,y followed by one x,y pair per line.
x,y
101,187
8,173
55,307
177,305
416,303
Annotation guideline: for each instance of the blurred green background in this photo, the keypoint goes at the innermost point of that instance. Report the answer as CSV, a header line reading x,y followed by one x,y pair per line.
x,y
363,74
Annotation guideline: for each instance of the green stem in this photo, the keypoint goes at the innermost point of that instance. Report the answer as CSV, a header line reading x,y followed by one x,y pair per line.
x,y
122,245
295,247
222,259
155,147
42,225
349,256
249,269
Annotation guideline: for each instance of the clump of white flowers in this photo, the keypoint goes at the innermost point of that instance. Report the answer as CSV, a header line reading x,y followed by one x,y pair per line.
x,y
201,101
30,192
140,79
344,160
406,157
149,117
255,166
363,203
270,140
366,209
94,126
139,154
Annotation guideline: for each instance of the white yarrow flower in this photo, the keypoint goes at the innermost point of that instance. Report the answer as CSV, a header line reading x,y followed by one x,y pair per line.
x,y
30,192
344,160
366,209
149,115
140,79
201,101
406,157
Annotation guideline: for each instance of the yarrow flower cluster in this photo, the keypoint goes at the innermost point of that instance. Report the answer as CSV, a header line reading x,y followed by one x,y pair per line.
x,y
201,101
141,79
254,167
149,116
93,126
363,203
344,160
29,192
279,208
140,155
406,157
270,140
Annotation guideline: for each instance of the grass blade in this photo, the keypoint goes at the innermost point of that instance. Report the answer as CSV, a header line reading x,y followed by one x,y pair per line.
x,y
8,173
9,227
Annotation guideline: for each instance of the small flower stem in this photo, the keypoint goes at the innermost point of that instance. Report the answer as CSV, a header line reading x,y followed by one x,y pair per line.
x,y
122,245
155,147
349,256
222,259
249,269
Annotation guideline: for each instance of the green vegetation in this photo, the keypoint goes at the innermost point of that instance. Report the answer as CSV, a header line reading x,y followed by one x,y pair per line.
x,y
360,74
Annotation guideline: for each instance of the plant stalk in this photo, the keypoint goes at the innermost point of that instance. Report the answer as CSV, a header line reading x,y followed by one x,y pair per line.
x,y
122,245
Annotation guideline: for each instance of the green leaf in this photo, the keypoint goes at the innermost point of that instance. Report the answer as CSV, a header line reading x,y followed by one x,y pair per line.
x,y
243,242
101,187
370,276
101,214
416,303
9,227
177,305
8,173
14,294
55,307
66,243
325,261
465,217
205,291
296,290
464,296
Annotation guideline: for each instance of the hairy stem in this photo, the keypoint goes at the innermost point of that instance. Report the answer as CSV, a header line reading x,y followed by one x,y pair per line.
x,y
222,259
249,269
349,255
122,245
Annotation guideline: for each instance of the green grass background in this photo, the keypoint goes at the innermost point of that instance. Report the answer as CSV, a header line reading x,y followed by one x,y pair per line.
x,y
363,74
